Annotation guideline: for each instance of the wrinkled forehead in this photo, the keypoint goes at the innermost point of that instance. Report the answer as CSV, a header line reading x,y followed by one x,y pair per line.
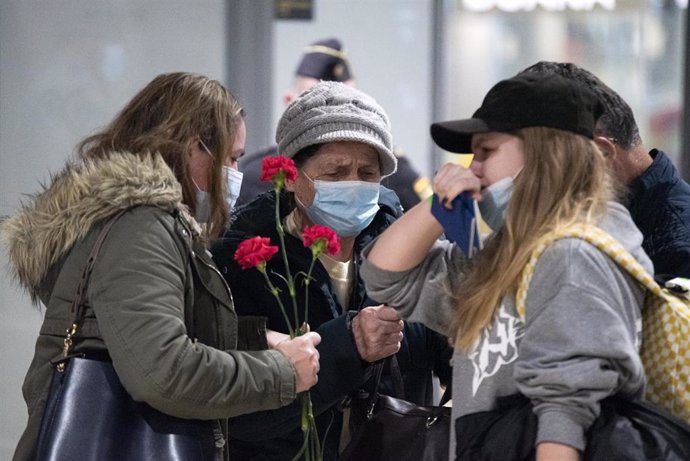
x,y
344,154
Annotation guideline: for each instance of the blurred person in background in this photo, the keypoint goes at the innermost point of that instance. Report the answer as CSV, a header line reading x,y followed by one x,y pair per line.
x,y
657,198
326,60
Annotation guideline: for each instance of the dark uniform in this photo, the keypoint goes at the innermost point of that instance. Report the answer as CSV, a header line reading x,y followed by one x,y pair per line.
x,y
326,60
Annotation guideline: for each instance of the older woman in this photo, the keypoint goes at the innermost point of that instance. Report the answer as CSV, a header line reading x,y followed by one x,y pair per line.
x,y
340,140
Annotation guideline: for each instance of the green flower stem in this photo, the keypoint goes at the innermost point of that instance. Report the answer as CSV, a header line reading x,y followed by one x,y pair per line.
x,y
311,447
303,451
291,281
306,289
274,292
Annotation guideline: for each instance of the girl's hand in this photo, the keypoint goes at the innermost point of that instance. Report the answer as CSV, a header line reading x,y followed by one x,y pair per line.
x,y
451,180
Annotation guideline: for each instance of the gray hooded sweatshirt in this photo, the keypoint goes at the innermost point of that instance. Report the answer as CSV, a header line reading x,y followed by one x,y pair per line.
x,y
578,344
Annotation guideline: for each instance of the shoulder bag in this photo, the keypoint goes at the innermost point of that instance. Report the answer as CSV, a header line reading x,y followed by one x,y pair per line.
x,y
395,429
90,416
665,350
626,430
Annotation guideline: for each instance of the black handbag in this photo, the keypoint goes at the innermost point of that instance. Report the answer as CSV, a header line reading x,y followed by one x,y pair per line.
x,y
626,430
395,429
90,416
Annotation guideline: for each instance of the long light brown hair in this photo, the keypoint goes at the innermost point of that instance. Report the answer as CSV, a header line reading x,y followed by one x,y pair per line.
x,y
564,181
166,117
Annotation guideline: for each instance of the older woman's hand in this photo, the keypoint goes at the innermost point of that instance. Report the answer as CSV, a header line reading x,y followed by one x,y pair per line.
x,y
302,354
378,332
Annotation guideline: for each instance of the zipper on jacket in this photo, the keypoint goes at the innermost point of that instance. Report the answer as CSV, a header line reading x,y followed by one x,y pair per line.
x,y
227,289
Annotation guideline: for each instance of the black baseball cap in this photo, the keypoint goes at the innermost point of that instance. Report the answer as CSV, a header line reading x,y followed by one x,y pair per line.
x,y
526,100
325,60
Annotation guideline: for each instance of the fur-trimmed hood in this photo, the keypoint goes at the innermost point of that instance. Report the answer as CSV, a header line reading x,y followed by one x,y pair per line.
x,y
46,227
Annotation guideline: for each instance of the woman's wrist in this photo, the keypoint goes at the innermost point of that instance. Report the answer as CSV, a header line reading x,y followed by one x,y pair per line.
x,y
275,337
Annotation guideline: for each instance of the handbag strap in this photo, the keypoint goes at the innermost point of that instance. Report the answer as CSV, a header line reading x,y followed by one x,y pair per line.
x,y
79,299
596,237
396,376
397,384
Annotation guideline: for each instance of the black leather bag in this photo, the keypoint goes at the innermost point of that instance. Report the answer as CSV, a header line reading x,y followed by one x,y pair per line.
x,y
89,415
626,430
395,429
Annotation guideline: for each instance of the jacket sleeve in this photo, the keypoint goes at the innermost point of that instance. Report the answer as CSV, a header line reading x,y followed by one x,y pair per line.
x,y
580,342
137,294
424,293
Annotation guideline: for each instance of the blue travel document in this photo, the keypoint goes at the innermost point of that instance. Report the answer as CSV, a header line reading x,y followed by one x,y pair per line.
x,y
459,223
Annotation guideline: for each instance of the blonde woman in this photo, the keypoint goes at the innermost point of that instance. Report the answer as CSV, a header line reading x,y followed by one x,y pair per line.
x,y
535,168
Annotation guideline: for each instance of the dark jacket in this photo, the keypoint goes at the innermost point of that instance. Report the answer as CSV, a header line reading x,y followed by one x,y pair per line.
x,y
276,434
407,183
659,204
157,305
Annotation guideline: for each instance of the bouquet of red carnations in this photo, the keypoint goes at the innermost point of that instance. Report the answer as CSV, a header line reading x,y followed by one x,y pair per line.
x,y
257,251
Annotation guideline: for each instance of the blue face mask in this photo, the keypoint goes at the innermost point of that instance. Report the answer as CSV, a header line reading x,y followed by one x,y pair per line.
x,y
347,207
494,202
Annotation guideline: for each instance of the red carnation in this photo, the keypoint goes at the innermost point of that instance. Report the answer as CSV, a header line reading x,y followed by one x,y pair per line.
x,y
278,169
320,239
255,252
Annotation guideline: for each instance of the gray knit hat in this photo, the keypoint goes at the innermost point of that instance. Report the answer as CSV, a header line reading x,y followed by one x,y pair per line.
x,y
333,111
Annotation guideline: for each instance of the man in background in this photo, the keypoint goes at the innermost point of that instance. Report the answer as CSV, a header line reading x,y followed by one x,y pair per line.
x,y
657,197
326,60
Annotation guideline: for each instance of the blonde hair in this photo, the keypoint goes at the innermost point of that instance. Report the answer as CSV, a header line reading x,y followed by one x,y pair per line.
x,y
564,180
171,112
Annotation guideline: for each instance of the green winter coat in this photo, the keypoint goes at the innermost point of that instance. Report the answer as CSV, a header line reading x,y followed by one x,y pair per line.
x,y
151,272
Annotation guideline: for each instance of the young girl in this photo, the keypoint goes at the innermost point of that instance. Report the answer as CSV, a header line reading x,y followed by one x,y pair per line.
x,y
535,169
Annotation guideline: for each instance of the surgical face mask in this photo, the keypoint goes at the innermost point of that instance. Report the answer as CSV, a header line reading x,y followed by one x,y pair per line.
x,y
202,201
234,184
347,207
202,205
494,202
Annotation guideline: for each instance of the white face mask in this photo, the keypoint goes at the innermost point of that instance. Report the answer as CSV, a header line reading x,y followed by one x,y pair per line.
x,y
202,205
233,185
495,200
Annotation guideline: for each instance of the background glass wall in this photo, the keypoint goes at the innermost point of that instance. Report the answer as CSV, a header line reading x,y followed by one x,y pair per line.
x,y
636,47
389,44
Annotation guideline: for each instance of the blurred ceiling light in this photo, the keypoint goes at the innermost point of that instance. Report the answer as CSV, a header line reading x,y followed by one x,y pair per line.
x,y
529,5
